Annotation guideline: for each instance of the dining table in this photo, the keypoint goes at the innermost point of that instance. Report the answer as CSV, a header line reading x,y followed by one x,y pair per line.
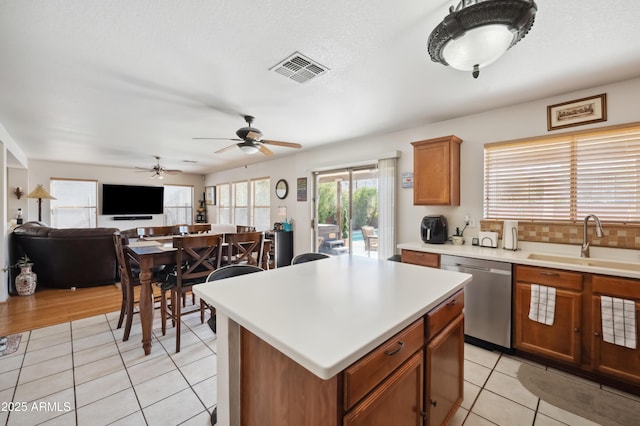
x,y
149,256
150,252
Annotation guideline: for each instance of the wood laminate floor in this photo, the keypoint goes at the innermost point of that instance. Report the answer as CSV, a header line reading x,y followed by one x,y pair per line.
x,y
53,306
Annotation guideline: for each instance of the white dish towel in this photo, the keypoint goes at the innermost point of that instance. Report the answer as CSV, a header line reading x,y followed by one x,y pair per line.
x,y
543,304
618,321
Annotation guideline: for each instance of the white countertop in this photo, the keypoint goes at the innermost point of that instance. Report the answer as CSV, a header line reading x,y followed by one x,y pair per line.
x,y
327,314
521,256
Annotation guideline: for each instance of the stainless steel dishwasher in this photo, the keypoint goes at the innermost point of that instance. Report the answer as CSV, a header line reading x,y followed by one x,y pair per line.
x,y
487,300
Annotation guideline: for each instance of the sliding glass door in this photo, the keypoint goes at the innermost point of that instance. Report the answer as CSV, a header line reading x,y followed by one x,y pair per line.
x,y
346,211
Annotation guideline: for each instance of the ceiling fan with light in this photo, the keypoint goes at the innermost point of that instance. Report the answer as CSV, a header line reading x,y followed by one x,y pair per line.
x,y
250,140
157,170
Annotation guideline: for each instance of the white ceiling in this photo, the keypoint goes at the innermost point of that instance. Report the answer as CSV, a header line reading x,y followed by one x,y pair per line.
x,y
117,82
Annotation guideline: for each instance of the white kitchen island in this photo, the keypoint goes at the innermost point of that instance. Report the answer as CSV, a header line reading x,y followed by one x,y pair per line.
x,y
324,315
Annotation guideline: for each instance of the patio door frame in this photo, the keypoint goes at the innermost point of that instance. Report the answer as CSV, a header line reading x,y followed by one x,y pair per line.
x,y
347,171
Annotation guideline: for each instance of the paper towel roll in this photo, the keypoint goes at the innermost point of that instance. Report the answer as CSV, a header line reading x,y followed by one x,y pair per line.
x,y
510,235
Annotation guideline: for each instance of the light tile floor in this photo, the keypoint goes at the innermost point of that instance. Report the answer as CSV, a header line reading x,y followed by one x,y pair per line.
x,y
82,373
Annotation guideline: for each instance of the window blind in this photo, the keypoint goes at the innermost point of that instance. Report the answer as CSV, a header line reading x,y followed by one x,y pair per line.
x,y
565,177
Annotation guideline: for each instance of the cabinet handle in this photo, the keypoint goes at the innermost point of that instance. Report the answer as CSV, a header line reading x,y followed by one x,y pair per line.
x,y
395,351
576,329
596,334
452,302
551,274
434,403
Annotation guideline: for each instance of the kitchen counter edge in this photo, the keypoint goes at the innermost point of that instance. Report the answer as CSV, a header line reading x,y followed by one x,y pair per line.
x,y
519,257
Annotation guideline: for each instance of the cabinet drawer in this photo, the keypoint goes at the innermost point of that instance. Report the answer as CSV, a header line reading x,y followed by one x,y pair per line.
x,y
368,372
444,313
551,277
421,258
616,287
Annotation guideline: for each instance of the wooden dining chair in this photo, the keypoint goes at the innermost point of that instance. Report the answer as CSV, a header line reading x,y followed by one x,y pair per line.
x,y
196,257
196,228
155,231
244,228
129,278
244,248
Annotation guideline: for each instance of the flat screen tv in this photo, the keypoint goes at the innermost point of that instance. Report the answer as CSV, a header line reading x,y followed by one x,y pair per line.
x,y
131,199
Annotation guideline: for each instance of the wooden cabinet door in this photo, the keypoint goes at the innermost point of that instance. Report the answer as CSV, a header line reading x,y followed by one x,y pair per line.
x,y
561,340
436,169
608,358
618,361
397,401
445,373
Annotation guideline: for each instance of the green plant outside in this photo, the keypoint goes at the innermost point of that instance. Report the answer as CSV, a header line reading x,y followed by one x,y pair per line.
x,y
365,207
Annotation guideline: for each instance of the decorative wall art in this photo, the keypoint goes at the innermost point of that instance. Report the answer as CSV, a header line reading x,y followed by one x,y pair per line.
x,y
301,189
210,195
407,180
577,112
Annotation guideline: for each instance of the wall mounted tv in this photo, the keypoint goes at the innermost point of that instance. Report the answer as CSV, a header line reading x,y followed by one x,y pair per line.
x,y
130,199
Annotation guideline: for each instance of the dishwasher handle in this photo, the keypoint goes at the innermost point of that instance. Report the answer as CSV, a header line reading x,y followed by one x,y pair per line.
x,y
479,268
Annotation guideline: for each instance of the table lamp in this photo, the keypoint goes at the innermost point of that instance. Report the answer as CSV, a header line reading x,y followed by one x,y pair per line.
x,y
40,193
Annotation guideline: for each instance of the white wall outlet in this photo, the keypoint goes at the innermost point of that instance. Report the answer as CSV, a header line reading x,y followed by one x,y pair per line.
x,y
471,221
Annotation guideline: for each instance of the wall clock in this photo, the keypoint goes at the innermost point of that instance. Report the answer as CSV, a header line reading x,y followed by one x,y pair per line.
x,y
282,189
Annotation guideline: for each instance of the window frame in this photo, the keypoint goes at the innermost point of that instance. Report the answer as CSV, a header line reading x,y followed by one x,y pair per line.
x,y
227,207
189,214
254,206
55,207
582,151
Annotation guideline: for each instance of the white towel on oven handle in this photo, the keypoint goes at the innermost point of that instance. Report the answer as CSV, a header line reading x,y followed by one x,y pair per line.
x,y
543,304
618,321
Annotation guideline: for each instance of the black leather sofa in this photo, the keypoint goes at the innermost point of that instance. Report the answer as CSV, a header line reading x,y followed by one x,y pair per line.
x,y
64,258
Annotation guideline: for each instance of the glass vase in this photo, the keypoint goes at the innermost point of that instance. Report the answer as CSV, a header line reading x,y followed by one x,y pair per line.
x,y
26,280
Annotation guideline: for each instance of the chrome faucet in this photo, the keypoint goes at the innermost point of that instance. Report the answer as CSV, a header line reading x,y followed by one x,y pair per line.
x,y
585,242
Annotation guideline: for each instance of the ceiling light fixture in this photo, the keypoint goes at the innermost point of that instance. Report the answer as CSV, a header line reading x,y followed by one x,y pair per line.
x,y
478,32
248,148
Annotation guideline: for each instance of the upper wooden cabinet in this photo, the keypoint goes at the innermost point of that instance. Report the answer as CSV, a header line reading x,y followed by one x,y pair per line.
x,y
436,171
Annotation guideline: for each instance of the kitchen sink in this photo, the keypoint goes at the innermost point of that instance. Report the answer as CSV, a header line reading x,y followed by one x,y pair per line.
x,y
586,261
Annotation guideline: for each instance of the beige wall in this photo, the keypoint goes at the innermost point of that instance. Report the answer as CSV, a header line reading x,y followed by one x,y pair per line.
x,y
40,172
515,122
10,155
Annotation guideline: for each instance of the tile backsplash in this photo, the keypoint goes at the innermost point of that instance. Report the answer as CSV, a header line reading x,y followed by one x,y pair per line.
x,y
615,234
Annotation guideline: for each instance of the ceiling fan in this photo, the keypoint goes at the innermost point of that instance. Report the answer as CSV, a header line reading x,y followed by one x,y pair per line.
x,y
158,170
250,140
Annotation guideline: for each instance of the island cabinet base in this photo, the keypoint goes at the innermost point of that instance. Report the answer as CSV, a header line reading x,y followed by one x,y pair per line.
x,y
386,386
275,390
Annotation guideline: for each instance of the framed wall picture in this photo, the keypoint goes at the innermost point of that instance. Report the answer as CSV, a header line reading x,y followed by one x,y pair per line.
x,y
301,189
407,180
578,112
210,195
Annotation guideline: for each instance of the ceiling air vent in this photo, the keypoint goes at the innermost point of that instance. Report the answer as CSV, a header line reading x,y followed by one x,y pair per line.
x,y
299,68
